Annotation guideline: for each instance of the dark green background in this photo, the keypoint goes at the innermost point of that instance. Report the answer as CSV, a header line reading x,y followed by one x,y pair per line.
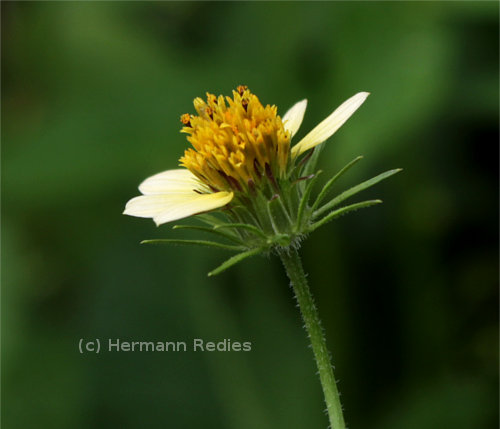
x,y
91,99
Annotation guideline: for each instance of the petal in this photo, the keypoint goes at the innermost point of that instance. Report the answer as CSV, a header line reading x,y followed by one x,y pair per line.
x,y
169,207
293,118
332,123
194,205
171,181
150,205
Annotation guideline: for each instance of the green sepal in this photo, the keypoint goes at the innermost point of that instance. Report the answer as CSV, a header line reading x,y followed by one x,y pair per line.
x,y
342,211
280,219
193,243
209,219
213,230
233,260
354,190
245,226
310,165
305,200
330,183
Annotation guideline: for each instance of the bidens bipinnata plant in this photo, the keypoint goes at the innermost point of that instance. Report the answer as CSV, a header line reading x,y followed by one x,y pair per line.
x,y
242,164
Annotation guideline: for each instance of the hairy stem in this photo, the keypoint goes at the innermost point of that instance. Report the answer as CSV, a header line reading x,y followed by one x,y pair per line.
x,y
293,266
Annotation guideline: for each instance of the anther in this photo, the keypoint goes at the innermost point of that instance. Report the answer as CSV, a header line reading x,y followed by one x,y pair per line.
x,y
186,119
211,98
244,103
241,89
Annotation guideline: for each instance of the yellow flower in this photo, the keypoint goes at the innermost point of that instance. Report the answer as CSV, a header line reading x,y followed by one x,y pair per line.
x,y
239,148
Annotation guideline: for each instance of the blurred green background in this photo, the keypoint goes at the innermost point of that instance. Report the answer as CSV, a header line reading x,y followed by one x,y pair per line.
x,y
408,291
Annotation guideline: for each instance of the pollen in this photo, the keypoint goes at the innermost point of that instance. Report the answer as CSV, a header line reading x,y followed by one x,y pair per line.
x,y
234,140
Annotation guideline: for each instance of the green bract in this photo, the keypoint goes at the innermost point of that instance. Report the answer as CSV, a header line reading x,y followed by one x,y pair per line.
x,y
280,215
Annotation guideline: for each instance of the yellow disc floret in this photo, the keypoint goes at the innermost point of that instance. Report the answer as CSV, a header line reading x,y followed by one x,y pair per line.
x,y
237,142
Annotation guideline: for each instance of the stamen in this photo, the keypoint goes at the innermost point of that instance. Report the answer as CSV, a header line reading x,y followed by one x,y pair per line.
x,y
241,89
186,119
244,103
211,98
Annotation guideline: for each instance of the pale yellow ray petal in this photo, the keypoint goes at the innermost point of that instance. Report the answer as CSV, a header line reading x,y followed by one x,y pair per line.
x,y
293,118
180,180
152,205
330,125
169,207
193,205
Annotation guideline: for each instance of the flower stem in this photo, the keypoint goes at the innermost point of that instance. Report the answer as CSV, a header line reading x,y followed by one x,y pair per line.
x,y
293,266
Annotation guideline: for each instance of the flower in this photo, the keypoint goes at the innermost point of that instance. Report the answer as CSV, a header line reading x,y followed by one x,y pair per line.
x,y
242,163
241,155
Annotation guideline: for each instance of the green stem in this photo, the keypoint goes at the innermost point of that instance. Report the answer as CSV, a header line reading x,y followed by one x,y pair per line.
x,y
293,266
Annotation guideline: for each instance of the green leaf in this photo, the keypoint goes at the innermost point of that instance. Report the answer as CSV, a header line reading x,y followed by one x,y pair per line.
x,y
342,211
305,199
330,183
192,243
212,231
233,260
354,190
246,226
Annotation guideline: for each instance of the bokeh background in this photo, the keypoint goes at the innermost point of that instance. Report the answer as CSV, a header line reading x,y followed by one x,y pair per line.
x,y
408,291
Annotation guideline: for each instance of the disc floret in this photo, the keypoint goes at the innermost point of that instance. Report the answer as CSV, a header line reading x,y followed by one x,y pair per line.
x,y
235,142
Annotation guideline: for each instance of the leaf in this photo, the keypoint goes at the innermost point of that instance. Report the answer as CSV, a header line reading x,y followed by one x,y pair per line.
x,y
342,211
305,199
192,243
212,231
354,190
330,183
233,260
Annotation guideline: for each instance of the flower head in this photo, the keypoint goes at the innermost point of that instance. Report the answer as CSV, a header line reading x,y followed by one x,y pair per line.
x,y
243,163
237,144
234,140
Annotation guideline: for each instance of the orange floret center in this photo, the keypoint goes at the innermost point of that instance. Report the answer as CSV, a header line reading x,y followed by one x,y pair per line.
x,y
236,141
